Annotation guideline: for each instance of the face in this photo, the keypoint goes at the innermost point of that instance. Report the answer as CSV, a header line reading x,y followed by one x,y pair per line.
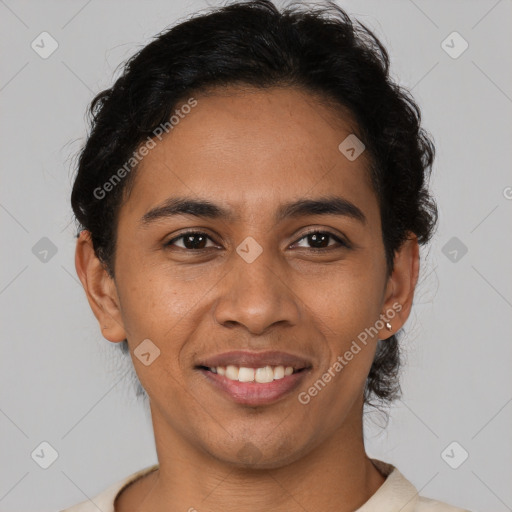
x,y
260,268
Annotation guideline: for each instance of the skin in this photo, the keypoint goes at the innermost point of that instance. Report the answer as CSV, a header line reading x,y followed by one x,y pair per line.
x,y
250,151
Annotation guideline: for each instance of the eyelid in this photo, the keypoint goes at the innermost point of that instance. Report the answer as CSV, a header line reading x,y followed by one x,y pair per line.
x,y
339,238
180,236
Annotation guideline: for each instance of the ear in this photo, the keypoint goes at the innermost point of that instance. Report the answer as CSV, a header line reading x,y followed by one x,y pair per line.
x,y
400,287
100,289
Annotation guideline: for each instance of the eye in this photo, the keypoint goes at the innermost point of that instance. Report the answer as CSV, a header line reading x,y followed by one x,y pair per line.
x,y
192,240
197,240
319,240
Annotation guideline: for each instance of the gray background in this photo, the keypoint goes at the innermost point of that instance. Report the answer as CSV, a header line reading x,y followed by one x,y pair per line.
x,y
62,383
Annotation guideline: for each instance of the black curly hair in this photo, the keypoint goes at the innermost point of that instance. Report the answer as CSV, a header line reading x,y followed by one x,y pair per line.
x,y
316,48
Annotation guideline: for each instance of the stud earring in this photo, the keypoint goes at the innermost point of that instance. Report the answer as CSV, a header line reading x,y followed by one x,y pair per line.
x,y
388,326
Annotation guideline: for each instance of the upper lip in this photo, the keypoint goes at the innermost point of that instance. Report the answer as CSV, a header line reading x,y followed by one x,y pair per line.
x,y
256,359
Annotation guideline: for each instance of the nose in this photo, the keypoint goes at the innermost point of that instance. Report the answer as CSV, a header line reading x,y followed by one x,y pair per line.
x,y
257,295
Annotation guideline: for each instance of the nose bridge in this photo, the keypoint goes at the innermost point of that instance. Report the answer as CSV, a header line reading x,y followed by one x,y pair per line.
x,y
255,293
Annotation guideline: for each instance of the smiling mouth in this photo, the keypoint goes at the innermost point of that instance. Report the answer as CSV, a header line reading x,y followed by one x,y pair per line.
x,y
261,375
248,386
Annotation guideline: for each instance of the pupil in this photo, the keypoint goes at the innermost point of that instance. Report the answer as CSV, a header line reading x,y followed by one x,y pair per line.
x,y
317,240
189,244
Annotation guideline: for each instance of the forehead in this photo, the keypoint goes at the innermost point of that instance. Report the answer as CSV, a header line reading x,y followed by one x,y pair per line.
x,y
250,146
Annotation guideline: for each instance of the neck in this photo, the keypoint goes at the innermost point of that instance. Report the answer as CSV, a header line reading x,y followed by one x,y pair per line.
x,y
334,476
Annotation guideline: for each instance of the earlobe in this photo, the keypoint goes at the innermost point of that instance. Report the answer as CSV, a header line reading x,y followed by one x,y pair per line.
x,y
99,288
400,287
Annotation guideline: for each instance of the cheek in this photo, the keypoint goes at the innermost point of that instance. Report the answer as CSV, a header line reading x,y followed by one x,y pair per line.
x,y
350,299
346,312
162,308
155,311
350,350
152,296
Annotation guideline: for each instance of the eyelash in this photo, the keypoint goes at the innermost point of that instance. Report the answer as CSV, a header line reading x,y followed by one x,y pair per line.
x,y
305,235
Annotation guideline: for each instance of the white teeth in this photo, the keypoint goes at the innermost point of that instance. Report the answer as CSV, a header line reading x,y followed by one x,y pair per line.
x,y
232,372
245,374
263,375
260,375
278,372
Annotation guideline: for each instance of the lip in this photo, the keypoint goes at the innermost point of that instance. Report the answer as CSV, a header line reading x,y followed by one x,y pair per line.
x,y
254,393
256,359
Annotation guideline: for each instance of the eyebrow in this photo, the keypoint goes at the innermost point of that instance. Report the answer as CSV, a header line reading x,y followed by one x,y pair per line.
x,y
331,205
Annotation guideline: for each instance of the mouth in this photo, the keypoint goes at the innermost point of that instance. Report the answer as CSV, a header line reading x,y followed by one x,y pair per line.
x,y
254,378
261,375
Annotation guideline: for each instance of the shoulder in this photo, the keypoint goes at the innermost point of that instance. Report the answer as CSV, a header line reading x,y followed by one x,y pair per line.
x,y
398,493
429,505
105,500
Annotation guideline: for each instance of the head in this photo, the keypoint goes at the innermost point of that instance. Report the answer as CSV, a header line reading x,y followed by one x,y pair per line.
x,y
276,134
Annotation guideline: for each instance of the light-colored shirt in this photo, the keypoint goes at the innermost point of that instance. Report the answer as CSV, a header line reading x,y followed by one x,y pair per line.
x,y
395,494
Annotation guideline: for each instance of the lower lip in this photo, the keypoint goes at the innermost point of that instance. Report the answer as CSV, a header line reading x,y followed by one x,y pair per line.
x,y
254,393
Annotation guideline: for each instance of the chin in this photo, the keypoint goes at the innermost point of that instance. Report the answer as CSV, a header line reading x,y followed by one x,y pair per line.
x,y
266,454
